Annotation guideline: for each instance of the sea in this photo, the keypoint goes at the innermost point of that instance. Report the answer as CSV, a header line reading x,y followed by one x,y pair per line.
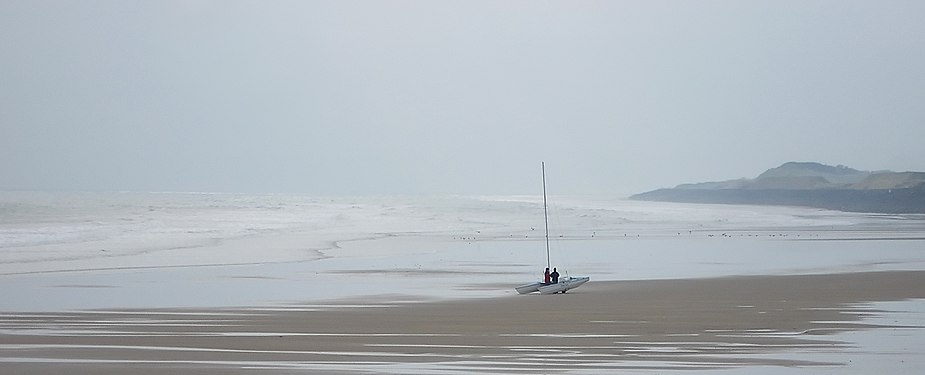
x,y
103,251
98,250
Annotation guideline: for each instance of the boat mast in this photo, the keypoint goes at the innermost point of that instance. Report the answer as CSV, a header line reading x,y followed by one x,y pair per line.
x,y
545,214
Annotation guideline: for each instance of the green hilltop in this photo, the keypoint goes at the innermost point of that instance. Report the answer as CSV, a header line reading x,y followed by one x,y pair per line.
x,y
809,184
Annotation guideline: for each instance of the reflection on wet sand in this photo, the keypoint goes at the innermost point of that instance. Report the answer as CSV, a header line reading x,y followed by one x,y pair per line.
x,y
695,324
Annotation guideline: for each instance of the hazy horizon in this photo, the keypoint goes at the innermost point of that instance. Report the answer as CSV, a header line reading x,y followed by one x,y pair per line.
x,y
455,97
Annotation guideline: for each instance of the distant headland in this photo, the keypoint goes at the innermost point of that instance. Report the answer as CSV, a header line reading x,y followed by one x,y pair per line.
x,y
809,184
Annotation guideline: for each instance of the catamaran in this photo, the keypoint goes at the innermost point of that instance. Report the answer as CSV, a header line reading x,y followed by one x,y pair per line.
x,y
564,284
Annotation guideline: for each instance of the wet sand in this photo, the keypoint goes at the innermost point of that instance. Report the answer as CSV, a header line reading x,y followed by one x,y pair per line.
x,y
602,327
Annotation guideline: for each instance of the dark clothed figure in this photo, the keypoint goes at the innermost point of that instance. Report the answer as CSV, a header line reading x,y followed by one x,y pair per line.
x,y
555,276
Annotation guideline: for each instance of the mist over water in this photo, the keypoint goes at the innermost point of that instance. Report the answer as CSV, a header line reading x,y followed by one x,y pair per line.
x,y
83,250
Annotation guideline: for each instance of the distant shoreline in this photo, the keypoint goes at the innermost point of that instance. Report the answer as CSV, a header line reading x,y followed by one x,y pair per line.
x,y
885,201
809,184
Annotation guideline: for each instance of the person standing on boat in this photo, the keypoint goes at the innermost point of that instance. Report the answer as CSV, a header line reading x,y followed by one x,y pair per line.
x,y
546,277
555,276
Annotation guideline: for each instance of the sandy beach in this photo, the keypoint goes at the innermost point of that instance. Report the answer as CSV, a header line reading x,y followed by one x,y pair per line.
x,y
217,284
647,326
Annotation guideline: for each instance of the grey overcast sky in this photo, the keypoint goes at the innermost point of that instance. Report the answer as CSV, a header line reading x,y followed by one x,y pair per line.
x,y
420,97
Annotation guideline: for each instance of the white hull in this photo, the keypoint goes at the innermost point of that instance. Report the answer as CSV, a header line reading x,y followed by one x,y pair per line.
x,y
529,288
563,285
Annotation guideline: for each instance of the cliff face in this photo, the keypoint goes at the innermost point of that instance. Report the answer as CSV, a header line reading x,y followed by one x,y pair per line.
x,y
811,185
